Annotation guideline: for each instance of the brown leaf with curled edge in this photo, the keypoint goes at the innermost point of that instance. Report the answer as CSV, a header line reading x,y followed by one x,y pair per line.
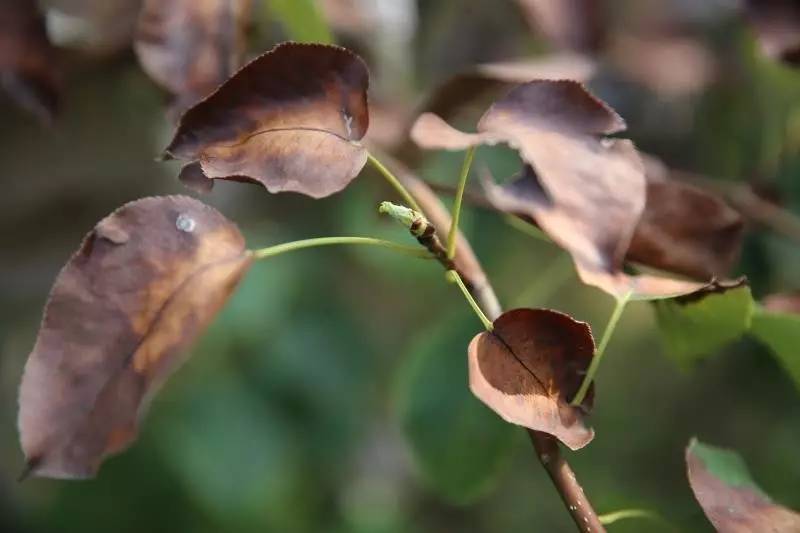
x,y
730,498
289,120
686,230
145,282
777,26
585,191
528,369
191,46
526,198
28,70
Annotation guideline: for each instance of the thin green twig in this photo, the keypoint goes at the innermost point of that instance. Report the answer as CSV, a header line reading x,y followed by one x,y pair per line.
x,y
394,182
278,249
462,183
601,348
453,276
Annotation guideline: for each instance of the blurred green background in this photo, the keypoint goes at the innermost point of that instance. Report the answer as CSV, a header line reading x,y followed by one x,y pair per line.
x,y
330,394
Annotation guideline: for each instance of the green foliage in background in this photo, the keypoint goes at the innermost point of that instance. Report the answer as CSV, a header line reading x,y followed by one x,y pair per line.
x,y
692,329
460,446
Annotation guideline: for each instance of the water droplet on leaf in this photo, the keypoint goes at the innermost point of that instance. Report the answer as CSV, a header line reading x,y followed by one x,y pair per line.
x,y
185,223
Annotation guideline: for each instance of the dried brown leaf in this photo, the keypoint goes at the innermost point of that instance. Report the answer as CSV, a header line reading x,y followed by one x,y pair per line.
x,y
290,120
528,369
525,198
585,191
592,189
686,230
145,282
28,69
731,500
191,46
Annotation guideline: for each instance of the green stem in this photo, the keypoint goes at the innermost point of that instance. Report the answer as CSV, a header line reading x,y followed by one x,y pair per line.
x,y
601,348
394,182
527,228
462,183
278,249
610,518
453,276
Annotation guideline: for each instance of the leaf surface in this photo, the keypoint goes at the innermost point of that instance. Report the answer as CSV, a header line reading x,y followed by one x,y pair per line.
x,y
777,324
145,282
697,324
289,120
529,368
728,495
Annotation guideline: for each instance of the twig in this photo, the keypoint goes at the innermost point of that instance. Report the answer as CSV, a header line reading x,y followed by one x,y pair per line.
x,y
563,478
470,270
465,260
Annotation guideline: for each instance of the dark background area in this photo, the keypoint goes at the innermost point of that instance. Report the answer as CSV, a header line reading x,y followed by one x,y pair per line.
x,y
289,414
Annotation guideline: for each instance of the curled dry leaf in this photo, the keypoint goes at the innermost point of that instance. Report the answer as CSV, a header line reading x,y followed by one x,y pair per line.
x,y
591,189
145,282
777,25
686,230
525,198
289,120
683,230
191,46
28,70
728,495
528,369
586,191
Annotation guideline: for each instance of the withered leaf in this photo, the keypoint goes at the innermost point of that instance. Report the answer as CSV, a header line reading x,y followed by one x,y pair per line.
x,y
526,198
28,70
728,495
145,282
686,230
777,25
592,189
528,369
191,46
290,120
